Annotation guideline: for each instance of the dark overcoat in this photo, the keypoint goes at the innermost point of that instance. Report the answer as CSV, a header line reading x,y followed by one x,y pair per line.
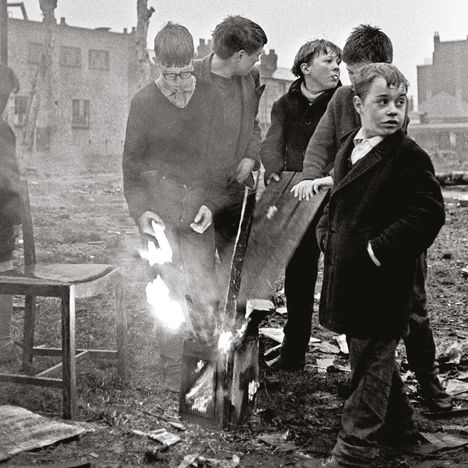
x,y
391,199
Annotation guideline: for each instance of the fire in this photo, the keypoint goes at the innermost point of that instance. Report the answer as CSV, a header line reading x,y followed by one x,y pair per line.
x,y
166,310
227,339
225,342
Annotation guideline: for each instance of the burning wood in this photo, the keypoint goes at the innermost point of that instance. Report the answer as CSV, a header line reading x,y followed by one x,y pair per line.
x,y
219,383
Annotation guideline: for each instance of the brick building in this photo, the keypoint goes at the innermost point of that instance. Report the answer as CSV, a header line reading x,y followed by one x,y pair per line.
x,y
443,85
443,98
84,105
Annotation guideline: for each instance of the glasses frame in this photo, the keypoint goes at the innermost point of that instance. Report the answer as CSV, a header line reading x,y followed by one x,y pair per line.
x,y
170,76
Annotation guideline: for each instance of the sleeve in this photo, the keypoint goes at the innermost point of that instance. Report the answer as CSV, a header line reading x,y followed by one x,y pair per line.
x,y
10,189
417,227
322,147
254,144
321,231
273,147
134,184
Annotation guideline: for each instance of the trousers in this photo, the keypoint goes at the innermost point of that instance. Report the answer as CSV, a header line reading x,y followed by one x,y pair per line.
x,y
377,399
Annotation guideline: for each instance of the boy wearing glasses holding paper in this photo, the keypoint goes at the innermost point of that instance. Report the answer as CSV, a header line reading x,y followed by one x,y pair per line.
x,y
167,181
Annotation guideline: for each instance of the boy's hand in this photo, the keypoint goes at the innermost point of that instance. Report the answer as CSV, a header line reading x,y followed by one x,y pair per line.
x,y
244,169
306,189
303,190
202,220
322,183
272,177
144,223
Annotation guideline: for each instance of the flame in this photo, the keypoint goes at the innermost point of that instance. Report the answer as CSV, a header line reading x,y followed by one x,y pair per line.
x,y
165,309
227,339
225,342
201,393
157,255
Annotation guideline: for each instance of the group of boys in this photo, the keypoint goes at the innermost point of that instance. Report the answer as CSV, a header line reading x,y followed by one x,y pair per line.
x,y
385,209
191,145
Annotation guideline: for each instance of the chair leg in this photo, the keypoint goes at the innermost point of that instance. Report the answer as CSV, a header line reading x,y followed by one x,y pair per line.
x,y
68,353
122,343
28,333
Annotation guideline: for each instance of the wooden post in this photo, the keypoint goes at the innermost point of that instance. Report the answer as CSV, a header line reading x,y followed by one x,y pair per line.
x,y
3,32
68,353
121,320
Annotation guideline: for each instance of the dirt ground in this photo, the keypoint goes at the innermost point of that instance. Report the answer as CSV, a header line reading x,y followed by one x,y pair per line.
x,y
80,216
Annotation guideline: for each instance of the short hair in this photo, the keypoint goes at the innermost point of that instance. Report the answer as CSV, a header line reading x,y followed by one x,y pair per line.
x,y
8,80
364,77
173,45
367,44
313,49
236,33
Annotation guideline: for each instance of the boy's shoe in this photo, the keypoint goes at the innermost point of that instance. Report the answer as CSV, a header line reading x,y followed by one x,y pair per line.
x,y
280,364
435,396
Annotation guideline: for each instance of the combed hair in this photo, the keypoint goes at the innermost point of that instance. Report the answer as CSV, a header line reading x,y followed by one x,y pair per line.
x,y
312,49
369,44
365,75
173,45
237,33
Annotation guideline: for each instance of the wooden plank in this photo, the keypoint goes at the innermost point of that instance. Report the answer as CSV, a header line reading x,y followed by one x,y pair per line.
x,y
68,354
28,332
52,370
94,353
279,224
31,380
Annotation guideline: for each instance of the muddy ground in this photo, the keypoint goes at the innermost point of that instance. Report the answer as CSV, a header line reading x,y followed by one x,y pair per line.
x,y
80,216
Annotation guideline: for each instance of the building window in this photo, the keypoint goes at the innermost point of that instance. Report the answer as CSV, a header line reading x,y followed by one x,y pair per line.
x,y
99,59
21,106
43,139
282,87
70,56
34,52
80,113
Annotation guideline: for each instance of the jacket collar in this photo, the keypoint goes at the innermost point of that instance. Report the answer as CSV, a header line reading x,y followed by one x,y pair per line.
x,y
295,90
374,157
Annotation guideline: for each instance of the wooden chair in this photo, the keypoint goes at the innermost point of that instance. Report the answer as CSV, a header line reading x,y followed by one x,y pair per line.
x,y
67,282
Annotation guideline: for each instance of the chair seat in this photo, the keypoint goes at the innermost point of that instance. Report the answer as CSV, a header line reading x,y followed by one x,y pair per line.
x,y
54,275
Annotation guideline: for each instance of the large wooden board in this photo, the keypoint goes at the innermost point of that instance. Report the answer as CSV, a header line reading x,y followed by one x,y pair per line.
x,y
274,236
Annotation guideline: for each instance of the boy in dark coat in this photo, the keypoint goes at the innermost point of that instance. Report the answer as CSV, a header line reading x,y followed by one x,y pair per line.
x,y
385,209
168,183
368,44
10,214
294,117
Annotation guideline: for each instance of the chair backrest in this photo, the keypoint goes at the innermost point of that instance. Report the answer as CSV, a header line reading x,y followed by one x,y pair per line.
x,y
27,225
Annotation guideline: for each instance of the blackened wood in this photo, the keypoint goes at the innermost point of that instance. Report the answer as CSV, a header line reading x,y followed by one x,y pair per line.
x,y
279,224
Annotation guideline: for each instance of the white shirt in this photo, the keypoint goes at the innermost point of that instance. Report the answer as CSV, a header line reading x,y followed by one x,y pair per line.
x,y
362,145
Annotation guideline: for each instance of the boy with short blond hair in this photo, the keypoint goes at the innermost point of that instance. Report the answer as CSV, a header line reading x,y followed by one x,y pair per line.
x,y
385,209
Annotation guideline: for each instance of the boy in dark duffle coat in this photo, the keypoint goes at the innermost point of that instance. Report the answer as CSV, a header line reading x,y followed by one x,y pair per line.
x,y
385,209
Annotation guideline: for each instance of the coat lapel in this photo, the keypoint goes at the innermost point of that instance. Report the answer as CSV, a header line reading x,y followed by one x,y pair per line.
x,y
377,154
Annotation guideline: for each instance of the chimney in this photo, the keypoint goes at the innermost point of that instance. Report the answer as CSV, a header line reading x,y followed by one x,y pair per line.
x,y
203,48
268,63
125,31
436,38
62,21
